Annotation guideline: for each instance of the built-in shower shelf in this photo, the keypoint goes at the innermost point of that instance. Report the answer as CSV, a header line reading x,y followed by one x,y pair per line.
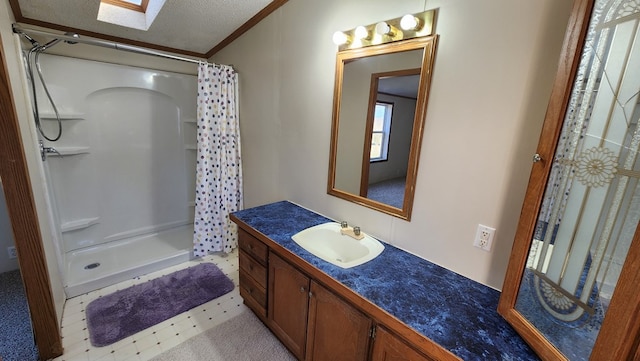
x,y
69,151
63,116
190,147
189,120
78,224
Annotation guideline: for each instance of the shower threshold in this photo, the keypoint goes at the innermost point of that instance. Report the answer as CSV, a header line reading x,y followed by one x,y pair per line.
x,y
100,266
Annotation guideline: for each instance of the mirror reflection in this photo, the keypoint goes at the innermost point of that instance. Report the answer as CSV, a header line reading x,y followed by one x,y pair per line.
x,y
591,207
390,125
379,109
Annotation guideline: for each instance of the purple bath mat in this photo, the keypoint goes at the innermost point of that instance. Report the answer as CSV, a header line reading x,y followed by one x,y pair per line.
x,y
121,314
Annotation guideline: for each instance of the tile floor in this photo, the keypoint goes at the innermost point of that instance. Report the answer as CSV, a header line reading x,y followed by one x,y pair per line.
x,y
150,342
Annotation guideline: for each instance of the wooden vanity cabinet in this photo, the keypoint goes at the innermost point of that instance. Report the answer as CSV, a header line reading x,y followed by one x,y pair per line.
x,y
388,347
288,304
337,330
253,273
312,321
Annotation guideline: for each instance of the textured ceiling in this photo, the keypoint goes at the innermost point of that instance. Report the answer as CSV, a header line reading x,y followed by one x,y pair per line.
x,y
193,26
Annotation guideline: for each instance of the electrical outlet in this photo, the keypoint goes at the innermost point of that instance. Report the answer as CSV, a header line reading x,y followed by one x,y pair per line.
x,y
484,237
12,252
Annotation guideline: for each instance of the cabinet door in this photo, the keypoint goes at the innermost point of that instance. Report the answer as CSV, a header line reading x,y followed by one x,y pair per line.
x,y
288,304
571,288
388,347
337,331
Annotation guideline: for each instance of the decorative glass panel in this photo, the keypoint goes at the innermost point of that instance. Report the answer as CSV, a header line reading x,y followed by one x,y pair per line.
x,y
591,206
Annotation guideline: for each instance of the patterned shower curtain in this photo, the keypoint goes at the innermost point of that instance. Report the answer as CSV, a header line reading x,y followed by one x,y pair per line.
x,y
218,163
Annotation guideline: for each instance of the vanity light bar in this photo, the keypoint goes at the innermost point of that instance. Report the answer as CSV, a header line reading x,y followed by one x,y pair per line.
x,y
406,27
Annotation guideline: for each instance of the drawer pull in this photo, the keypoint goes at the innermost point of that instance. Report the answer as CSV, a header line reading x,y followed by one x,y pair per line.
x,y
302,290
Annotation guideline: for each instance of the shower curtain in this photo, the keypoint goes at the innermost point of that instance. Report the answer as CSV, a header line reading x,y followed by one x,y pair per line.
x,y
218,163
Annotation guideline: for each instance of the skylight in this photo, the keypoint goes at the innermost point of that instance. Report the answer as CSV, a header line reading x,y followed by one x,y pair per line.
x,y
135,5
136,14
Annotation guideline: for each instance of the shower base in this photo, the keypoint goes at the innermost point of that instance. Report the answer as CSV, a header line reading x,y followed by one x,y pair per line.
x,y
100,266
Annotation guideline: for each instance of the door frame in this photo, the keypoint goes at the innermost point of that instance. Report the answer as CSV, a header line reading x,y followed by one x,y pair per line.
x,y
24,223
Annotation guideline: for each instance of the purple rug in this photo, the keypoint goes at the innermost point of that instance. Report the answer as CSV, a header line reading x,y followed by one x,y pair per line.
x,y
121,314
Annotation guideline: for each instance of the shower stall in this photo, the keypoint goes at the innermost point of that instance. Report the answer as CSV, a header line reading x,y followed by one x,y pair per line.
x,y
121,178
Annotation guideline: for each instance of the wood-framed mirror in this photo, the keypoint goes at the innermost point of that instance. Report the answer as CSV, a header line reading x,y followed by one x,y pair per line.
x,y
379,109
571,288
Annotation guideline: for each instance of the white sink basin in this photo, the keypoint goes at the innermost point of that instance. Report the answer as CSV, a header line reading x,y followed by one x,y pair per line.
x,y
326,242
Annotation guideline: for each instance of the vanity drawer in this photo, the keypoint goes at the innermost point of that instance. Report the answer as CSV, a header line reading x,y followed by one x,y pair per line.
x,y
253,246
254,295
254,269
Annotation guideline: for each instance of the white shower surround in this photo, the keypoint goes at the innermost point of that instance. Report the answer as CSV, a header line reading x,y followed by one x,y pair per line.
x,y
122,192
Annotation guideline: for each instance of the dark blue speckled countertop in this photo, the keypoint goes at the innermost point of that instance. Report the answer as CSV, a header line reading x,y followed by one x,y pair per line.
x,y
455,312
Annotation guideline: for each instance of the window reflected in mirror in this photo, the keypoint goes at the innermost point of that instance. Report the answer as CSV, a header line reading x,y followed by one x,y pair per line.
x,y
394,96
381,131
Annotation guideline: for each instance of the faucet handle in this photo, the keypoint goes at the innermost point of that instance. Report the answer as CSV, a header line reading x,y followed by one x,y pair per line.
x,y
356,230
344,224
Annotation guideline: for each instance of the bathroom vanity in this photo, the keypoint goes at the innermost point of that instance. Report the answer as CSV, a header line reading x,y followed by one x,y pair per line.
x,y
394,307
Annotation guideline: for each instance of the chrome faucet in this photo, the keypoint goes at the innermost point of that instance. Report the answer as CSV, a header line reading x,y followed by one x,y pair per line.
x,y
353,232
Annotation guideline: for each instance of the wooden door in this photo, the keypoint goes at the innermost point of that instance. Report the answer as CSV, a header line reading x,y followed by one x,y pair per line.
x,y
388,347
337,331
288,304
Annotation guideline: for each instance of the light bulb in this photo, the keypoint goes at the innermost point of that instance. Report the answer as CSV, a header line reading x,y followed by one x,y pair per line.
x,y
383,28
340,38
409,22
361,32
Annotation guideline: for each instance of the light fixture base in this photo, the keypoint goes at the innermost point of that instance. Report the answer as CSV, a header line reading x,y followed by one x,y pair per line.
x,y
425,27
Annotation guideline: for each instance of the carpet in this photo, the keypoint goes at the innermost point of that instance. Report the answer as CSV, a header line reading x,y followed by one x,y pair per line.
x,y
16,334
389,192
118,315
242,338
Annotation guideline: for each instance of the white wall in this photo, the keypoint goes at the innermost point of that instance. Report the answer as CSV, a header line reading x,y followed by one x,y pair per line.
x,y
152,125
495,63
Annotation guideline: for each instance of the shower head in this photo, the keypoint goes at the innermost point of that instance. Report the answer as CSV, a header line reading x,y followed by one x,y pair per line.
x,y
56,41
68,38
49,44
